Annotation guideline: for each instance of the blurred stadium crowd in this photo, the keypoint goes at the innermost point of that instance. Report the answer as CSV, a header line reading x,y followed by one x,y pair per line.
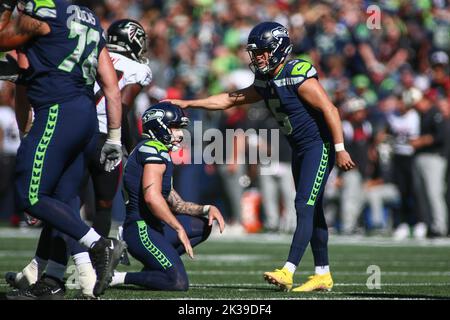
x,y
391,84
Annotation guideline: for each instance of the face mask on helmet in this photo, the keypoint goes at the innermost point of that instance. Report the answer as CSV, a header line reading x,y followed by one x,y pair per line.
x,y
128,37
270,37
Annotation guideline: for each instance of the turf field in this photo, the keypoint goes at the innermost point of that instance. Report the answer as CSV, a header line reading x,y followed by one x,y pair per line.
x,y
231,267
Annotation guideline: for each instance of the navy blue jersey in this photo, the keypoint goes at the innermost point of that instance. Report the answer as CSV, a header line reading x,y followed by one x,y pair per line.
x,y
147,151
303,125
63,64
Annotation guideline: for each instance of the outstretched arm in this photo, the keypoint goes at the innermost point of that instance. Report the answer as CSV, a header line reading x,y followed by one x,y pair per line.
x,y
222,101
313,93
21,30
179,206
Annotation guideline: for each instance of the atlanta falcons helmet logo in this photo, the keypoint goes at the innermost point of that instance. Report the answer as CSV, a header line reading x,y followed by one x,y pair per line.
x,y
135,32
128,37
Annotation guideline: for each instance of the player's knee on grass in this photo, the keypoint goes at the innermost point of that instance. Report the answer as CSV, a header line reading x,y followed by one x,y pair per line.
x,y
176,279
180,281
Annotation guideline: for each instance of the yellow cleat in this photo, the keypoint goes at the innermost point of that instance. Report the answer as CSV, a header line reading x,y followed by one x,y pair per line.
x,y
316,283
281,278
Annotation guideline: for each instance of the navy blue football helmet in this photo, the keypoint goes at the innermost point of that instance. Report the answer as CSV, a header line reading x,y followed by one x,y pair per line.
x,y
270,36
158,120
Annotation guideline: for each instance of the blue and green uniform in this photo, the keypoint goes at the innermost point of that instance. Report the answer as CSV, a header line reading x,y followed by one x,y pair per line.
x,y
313,153
151,241
60,79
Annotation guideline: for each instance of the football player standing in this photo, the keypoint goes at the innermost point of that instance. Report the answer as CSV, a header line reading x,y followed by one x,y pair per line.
x,y
66,51
311,123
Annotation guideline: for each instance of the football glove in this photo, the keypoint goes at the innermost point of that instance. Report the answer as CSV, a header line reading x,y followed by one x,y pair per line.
x,y
111,154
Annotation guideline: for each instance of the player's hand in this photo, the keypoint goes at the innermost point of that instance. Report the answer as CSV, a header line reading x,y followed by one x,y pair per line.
x,y
183,104
111,154
344,161
186,243
214,214
9,69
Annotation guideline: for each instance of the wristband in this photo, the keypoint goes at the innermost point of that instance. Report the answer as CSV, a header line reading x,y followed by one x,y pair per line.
x,y
206,209
338,147
114,135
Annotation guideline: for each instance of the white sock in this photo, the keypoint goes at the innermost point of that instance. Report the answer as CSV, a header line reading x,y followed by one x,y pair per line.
x,y
81,258
55,270
41,265
86,278
89,238
290,266
118,278
321,270
31,272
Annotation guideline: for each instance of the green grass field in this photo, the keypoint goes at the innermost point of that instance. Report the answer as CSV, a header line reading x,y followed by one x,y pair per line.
x,y
231,268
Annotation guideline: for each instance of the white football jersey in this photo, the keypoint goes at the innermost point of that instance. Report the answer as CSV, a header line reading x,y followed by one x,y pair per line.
x,y
404,128
128,72
11,137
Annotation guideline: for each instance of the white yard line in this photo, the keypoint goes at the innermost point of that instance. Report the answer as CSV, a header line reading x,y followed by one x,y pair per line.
x,y
356,240
336,273
260,285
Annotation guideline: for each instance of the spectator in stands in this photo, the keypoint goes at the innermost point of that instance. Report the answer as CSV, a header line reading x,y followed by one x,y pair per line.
x,y
358,138
9,143
430,166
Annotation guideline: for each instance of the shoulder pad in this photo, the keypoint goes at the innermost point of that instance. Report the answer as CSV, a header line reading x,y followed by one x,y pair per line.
x,y
38,8
304,69
157,145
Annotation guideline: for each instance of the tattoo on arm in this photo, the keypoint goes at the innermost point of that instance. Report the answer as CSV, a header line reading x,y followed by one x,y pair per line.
x,y
28,26
236,96
147,188
178,205
19,31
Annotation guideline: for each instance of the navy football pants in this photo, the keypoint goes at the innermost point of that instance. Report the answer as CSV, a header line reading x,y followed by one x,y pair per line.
x,y
51,160
311,169
160,252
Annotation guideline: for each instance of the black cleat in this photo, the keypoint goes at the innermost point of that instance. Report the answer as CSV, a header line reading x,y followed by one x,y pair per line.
x,y
10,278
124,259
105,256
46,288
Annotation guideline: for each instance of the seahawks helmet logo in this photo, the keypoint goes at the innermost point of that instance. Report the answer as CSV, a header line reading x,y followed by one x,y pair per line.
x,y
153,114
280,32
